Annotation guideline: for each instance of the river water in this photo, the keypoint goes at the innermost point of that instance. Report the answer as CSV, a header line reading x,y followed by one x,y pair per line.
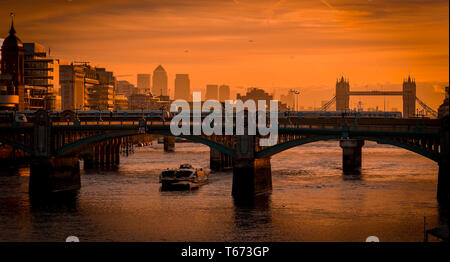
x,y
311,200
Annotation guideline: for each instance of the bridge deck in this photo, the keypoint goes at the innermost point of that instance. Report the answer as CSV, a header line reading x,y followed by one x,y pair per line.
x,y
375,93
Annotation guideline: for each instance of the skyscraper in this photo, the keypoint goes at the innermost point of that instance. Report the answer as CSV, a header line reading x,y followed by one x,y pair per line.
x,y
182,87
159,86
143,83
224,93
212,92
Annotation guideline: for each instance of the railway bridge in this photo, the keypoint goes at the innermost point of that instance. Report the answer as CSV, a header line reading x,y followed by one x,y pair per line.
x,y
56,145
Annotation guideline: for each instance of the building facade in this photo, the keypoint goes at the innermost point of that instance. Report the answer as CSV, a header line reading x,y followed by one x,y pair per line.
x,y
159,84
101,95
289,100
120,102
143,83
212,92
12,79
84,87
443,109
41,73
182,87
126,88
224,93
257,94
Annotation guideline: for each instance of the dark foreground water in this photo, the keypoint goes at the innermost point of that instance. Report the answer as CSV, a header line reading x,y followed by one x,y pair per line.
x,y
311,200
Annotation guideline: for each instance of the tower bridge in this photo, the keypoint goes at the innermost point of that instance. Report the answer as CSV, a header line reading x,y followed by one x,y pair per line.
x,y
408,94
56,144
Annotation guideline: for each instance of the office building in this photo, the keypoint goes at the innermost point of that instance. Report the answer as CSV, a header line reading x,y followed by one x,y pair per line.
x,y
41,73
159,84
143,83
182,87
126,88
29,78
257,94
212,92
224,93
120,102
84,87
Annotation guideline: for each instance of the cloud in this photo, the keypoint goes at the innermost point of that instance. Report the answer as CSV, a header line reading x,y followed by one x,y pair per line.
x,y
369,41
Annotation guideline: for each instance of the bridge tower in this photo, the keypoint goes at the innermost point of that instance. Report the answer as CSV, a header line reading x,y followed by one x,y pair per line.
x,y
409,97
342,94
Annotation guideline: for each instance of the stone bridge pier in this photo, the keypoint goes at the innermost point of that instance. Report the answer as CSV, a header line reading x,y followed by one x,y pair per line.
x,y
251,176
54,174
103,154
351,155
219,161
169,144
50,173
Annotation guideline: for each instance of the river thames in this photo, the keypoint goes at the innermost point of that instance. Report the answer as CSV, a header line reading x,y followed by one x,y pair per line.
x,y
311,200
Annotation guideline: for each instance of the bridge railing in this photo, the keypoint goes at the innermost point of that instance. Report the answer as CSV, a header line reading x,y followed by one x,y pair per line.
x,y
388,125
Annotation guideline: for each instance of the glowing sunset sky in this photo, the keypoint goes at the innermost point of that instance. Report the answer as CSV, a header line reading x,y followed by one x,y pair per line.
x,y
264,43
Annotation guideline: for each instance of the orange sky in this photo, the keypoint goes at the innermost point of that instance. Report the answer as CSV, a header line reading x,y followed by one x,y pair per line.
x,y
266,43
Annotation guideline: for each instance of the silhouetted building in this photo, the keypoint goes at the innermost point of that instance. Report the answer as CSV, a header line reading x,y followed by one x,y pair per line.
x,y
143,83
159,85
30,78
443,109
120,102
101,95
84,87
146,102
289,100
182,87
139,102
257,94
126,88
12,79
409,97
41,72
224,93
212,92
72,80
342,94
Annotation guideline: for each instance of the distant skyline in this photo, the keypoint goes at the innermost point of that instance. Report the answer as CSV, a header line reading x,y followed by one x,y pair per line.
x,y
243,43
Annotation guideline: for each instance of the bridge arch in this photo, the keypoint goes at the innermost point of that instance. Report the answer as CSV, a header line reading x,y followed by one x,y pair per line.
x,y
73,147
291,144
16,145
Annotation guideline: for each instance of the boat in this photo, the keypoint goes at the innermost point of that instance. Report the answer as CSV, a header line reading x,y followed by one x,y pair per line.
x,y
184,177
